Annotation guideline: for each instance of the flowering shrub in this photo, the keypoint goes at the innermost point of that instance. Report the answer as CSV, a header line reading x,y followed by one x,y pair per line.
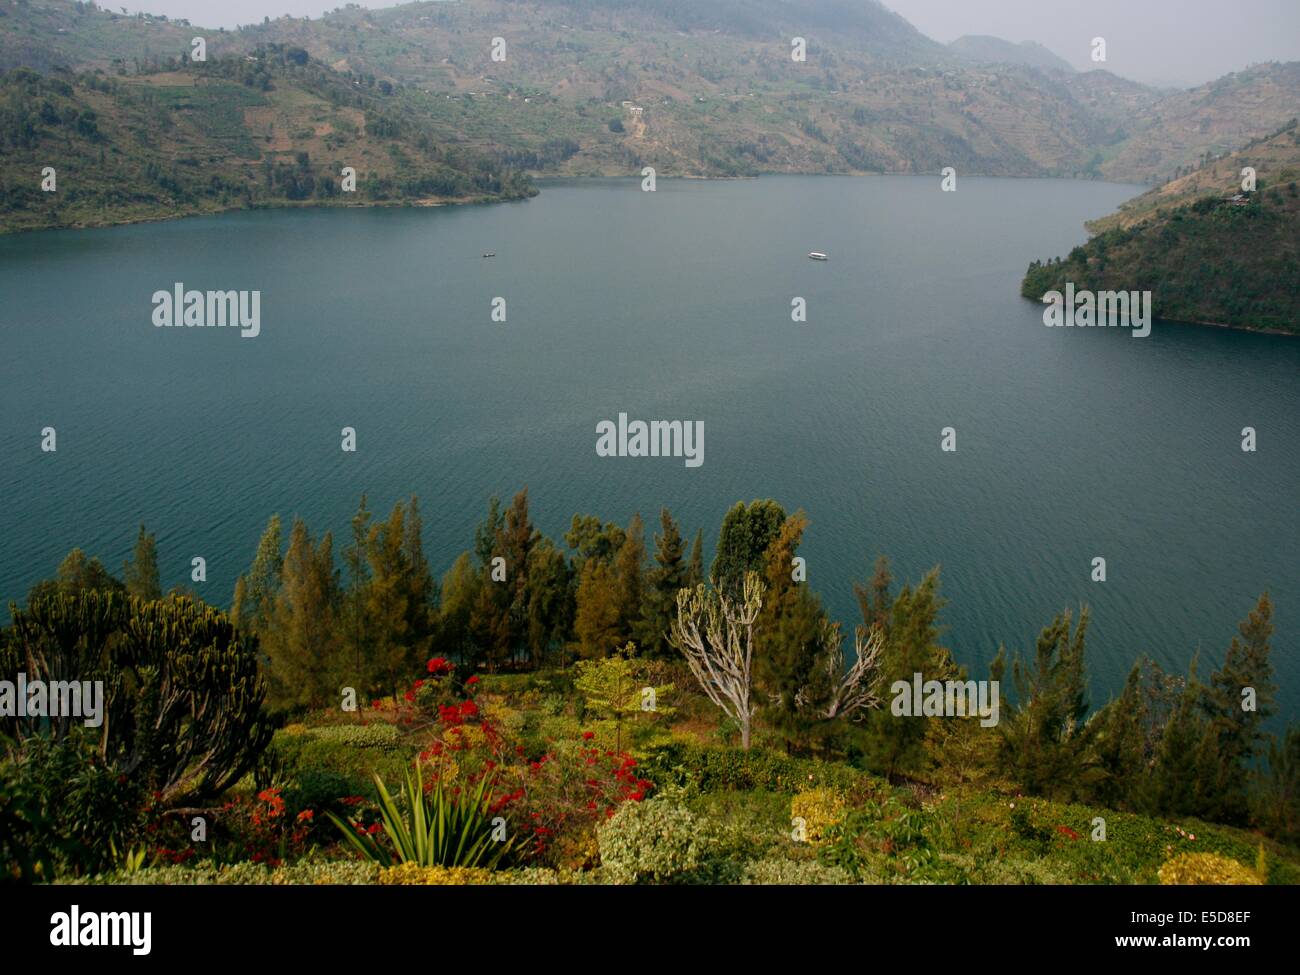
x,y
267,833
819,809
551,801
1207,868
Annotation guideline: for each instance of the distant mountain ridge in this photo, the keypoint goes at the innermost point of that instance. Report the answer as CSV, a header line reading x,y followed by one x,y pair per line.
x,y
995,50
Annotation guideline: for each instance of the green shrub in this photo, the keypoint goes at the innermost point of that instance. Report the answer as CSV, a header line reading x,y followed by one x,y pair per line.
x,y
802,872
64,809
660,841
712,768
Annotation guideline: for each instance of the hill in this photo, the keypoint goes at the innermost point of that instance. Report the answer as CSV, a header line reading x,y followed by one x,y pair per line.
x,y
271,128
995,50
700,88
1176,132
1205,256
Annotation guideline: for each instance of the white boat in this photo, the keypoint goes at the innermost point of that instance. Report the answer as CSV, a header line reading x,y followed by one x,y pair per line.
x,y
818,256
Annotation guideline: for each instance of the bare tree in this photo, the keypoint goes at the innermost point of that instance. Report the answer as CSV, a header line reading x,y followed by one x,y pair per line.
x,y
851,694
716,634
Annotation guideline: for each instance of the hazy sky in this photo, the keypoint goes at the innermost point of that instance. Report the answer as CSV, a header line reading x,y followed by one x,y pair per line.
x,y
1157,41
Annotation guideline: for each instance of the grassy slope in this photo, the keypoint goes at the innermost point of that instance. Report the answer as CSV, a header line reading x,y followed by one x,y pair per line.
x,y
1203,259
217,136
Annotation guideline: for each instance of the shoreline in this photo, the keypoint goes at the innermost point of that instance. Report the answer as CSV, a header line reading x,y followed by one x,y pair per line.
x,y
285,205
540,180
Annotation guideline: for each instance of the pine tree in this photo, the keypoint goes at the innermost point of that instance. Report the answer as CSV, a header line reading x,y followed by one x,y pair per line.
x,y
397,608
1237,702
550,600
302,638
789,636
662,583
75,575
589,539
253,600
1185,776
747,531
1046,742
141,573
1278,803
874,597
356,597
515,542
629,572
894,744
460,591
596,623
695,571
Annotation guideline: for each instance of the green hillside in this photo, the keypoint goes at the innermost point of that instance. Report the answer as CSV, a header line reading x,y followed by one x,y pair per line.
x,y
271,128
707,87
1204,256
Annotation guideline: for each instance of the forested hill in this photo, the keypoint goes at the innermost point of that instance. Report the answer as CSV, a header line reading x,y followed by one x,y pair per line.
x,y
1207,251
704,87
269,128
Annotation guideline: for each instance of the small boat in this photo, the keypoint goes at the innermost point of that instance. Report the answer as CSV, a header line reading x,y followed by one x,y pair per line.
x,y
490,255
818,256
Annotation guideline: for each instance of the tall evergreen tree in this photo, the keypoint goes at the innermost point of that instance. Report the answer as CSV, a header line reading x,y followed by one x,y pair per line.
x,y
589,539
255,591
789,637
302,639
597,624
1046,742
669,574
140,573
460,591
874,598
629,571
551,598
397,608
894,744
695,570
747,531
1186,776
1237,701
515,542
75,575
354,600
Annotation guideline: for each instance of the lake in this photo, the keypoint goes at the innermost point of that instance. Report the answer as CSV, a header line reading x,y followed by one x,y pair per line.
x,y
1071,443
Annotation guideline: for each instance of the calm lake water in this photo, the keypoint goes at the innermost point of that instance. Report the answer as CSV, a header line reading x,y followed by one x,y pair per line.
x,y
668,305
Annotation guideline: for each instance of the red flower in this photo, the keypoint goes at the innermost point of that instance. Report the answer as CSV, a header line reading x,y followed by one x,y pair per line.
x,y
438,665
588,735
472,680
305,815
468,709
419,683
410,695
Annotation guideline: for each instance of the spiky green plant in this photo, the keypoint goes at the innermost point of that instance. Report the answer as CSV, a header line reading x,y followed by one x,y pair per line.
x,y
431,828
